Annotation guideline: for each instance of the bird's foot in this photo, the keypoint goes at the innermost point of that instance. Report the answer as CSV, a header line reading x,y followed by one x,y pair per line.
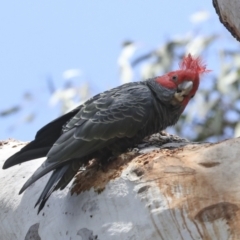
x,y
104,163
160,139
134,150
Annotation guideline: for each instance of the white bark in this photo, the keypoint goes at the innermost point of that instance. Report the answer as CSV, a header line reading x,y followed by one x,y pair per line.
x,y
187,193
229,14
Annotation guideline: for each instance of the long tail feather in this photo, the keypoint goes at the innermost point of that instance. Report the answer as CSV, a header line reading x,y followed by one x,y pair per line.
x,y
51,186
70,173
58,180
41,171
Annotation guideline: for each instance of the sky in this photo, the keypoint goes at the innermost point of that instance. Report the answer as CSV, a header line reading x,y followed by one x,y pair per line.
x,y
43,39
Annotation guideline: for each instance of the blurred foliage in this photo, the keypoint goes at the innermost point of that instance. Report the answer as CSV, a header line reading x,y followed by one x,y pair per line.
x,y
214,112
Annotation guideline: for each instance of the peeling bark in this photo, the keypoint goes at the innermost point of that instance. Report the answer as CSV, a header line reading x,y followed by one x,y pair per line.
x,y
186,192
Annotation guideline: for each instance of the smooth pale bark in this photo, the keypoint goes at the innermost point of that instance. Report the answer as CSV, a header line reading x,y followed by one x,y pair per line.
x,y
191,192
229,14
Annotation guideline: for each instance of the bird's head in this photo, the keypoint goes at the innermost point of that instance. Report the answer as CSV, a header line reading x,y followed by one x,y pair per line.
x,y
185,81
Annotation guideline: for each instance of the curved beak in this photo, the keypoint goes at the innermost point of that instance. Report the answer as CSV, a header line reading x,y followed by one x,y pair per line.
x,y
182,91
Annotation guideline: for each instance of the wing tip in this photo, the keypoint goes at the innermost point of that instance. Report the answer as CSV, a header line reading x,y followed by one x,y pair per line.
x,y
4,166
9,162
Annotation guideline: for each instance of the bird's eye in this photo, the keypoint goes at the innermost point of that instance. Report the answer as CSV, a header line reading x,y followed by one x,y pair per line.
x,y
192,96
174,78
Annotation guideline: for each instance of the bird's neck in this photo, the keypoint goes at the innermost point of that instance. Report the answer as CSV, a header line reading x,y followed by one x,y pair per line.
x,y
163,94
168,113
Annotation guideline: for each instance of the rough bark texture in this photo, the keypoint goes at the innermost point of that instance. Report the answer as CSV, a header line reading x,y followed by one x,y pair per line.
x,y
229,15
189,192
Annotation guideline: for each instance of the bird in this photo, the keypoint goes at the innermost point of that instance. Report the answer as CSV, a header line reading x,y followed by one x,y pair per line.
x,y
108,124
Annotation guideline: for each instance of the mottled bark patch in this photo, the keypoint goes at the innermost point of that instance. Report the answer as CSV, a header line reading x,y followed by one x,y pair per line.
x,y
90,206
86,234
143,189
138,171
224,210
209,164
32,233
12,142
179,170
97,177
